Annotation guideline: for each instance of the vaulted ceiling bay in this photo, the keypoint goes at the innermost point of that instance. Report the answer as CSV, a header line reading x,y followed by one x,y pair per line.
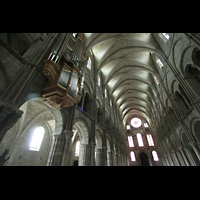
x,y
127,68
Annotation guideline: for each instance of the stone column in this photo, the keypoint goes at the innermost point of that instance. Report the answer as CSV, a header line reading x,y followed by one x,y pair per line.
x,y
176,163
52,150
127,161
92,153
170,160
195,148
184,156
57,152
116,159
68,136
110,158
167,160
15,93
182,163
105,155
100,157
191,160
85,155
120,160
163,161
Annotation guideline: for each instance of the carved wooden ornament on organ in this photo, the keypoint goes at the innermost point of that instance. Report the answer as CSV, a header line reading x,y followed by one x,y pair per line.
x,y
65,69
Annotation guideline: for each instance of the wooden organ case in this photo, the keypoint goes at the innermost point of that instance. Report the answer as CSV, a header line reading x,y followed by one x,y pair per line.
x,y
65,68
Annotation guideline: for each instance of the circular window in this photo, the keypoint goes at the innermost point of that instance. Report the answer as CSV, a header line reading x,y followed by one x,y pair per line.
x,y
136,122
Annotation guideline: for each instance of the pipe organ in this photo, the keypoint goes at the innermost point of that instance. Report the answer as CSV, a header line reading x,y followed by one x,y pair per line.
x,y
64,70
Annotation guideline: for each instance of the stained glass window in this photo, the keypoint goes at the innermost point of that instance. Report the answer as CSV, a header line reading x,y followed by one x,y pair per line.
x,y
77,148
155,155
140,141
132,156
37,139
145,125
150,140
130,141
165,35
136,122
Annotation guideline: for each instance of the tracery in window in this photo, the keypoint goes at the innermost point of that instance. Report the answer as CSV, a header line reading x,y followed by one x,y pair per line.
x,y
89,64
140,141
77,148
37,139
132,156
150,140
136,122
130,141
155,155
146,125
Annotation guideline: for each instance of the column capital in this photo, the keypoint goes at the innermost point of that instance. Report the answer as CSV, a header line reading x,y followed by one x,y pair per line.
x,y
84,145
68,134
104,147
93,144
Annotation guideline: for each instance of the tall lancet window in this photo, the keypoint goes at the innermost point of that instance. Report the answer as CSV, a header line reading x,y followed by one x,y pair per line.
x,y
132,156
130,141
77,148
159,62
155,155
150,140
165,35
140,141
37,139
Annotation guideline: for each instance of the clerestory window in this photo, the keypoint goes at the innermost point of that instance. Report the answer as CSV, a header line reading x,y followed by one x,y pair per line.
x,y
140,141
132,156
150,140
159,62
77,148
37,139
165,35
155,155
130,141
145,125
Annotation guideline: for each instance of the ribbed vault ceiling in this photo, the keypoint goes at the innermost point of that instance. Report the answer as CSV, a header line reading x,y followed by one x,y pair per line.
x,y
126,65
